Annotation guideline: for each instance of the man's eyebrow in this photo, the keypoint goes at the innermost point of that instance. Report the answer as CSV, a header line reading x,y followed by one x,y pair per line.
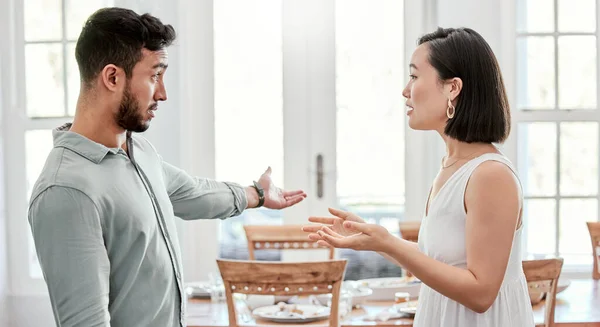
x,y
160,65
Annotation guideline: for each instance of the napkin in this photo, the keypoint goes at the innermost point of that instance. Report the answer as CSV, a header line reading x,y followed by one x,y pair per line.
x,y
383,315
256,301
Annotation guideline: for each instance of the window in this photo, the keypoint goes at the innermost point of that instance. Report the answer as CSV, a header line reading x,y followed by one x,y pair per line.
x,y
51,76
45,56
365,126
556,121
370,121
248,103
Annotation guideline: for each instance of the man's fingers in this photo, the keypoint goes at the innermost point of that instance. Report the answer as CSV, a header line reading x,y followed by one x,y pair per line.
x,y
293,200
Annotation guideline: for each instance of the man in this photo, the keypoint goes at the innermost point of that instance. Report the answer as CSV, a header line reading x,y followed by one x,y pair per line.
x,y
102,211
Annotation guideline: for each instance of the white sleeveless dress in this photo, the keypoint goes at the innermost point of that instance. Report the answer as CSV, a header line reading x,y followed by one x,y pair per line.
x,y
442,237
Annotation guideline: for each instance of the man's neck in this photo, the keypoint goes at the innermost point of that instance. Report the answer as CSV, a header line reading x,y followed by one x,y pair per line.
x,y
102,131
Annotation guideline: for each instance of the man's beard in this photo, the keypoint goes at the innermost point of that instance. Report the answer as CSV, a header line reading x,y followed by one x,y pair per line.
x,y
129,116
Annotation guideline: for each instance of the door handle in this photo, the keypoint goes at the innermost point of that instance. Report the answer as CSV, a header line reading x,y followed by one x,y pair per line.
x,y
320,174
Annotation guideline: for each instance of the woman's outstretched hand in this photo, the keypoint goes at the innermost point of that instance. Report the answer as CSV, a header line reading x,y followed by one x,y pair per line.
x,y
347,230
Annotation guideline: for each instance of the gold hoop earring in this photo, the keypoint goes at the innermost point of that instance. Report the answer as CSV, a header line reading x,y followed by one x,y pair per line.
x,y
450,110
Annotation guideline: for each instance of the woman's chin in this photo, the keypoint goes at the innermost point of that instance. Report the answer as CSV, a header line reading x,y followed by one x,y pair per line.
x,y
417,125
414,124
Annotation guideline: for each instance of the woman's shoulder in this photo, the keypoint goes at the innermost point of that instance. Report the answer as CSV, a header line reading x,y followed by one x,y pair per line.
x,y
493,175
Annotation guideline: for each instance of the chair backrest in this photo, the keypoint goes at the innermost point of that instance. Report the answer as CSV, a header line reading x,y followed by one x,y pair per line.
x,y
280,237
409,230
542,277
282,278
594,228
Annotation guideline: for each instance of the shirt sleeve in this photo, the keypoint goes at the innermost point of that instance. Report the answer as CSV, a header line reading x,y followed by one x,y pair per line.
x,y
67,232
202,198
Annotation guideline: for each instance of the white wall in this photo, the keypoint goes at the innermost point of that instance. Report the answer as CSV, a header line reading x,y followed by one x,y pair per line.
x,y
482,16
197,127
4,275
3,240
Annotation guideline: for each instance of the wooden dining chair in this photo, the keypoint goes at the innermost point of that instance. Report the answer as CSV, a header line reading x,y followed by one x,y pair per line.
x,y
280,237
542,277
594,228
282,278
409,230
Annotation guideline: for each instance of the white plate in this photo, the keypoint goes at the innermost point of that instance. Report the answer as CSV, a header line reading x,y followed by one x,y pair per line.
x,y
198,289
309,313
384,289
408,308
401,310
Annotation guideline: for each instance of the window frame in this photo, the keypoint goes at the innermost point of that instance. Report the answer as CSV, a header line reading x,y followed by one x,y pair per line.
x,y
14,110
508,62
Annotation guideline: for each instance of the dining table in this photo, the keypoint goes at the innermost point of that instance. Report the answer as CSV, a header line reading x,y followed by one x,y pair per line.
x,y
577,306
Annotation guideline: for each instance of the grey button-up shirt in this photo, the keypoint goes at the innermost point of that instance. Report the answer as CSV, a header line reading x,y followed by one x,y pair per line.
x,y
104,231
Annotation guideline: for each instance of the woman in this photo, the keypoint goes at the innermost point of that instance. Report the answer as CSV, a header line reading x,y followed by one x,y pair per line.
x,y
469,251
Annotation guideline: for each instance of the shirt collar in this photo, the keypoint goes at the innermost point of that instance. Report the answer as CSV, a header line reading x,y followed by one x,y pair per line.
x,y
94,152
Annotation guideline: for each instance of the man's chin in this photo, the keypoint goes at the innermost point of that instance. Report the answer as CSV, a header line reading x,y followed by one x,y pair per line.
x,y
144,127
140,128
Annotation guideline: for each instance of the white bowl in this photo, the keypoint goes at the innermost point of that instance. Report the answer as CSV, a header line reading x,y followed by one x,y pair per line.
x,y
537,297
384,289
359,296
562,285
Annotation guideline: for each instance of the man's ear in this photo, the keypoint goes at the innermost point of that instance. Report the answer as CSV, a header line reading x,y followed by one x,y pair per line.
x,y
112,76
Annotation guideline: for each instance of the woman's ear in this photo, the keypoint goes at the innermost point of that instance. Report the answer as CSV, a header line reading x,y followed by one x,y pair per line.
x,y
453,88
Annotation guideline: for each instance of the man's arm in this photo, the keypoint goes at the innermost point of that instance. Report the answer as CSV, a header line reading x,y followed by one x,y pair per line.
x,y
67,231
202,198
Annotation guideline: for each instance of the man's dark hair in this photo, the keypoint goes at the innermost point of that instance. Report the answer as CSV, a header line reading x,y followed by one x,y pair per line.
x,y
117,36
482,112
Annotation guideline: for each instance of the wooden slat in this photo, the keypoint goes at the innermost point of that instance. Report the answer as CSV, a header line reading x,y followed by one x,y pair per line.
x,y
282,289
594,229
276,233
540,286
280,272
274,244
539,270
266,237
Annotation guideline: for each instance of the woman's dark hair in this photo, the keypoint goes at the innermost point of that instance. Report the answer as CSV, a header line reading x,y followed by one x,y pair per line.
x,y
482,111
117,36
